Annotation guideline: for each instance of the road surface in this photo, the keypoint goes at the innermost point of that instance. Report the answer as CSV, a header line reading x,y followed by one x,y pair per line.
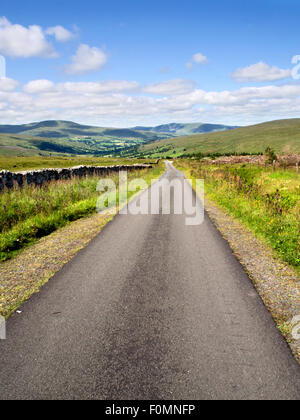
x,y
151,309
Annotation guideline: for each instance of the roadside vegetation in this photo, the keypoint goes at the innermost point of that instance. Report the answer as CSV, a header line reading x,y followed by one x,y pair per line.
x,y
265,199
283,136
31,213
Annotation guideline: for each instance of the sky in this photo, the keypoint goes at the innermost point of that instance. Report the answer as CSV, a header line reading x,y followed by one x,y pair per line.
x,y
127,63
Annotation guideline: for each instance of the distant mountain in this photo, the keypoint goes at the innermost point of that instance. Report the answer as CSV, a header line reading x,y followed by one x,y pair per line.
x,y
177,129
67,129
66,137
282,135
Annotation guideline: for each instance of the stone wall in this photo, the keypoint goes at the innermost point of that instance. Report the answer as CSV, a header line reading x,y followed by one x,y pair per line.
x,y
40,177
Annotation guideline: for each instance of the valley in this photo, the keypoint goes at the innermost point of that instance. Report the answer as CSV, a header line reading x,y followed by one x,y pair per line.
x,y
48,138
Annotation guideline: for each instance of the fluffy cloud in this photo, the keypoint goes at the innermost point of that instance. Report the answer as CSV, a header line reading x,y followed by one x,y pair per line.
x,y
39,86
196,60
87,59
171,87
60,33
7,85
261,72
101,87
127,103
19,41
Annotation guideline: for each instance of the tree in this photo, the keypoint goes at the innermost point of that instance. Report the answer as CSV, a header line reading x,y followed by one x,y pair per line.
x,y
270,155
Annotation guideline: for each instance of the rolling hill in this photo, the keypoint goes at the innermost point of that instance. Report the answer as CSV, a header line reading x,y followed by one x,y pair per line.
x,y
65,137
282,135
177,129
68,129
16,145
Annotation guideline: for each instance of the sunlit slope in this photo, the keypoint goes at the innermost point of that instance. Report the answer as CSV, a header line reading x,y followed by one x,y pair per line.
x,y
282,135
178,129
63,137
67,129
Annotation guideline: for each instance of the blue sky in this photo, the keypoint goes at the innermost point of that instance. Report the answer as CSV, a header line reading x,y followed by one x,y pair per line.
x,y
124,63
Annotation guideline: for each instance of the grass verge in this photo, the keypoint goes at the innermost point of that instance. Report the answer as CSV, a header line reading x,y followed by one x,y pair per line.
x,y
276,282
25,274
41,218
31,213
266,201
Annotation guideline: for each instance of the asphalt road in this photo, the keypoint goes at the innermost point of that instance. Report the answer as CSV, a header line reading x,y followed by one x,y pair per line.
x,y
151,309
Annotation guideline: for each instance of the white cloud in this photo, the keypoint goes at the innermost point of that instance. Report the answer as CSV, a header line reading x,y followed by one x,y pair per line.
x,y
38,86
127,103
101,87
19,41
261,72
87,59
171,87
197,60
60,33
7,85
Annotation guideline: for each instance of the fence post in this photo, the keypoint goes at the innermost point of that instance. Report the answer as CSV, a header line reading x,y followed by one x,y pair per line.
x,y
2,328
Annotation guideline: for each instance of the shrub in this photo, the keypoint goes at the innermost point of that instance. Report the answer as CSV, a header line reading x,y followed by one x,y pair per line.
x,y
270,155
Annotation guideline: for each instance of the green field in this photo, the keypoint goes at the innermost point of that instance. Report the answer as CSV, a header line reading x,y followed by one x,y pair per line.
x,y
25,145
63,137
266,201
16,164
60,138
64,129
30,213
283,136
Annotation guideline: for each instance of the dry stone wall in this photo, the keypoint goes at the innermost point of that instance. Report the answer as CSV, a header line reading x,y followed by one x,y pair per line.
x,y
40,177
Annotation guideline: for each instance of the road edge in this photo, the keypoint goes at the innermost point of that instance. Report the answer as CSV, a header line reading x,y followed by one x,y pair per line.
x,y
274,280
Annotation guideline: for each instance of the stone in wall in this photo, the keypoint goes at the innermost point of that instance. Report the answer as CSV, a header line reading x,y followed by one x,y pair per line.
x,y
40,177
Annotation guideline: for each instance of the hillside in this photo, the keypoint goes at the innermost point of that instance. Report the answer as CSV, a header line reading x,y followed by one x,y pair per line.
x,y
282,135
177,129
65,137
16,145
68,129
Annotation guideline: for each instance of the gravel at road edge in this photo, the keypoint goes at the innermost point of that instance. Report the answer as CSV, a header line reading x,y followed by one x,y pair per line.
x,y
277,284
24,275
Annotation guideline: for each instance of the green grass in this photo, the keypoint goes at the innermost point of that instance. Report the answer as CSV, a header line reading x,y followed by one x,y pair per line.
x,y
30,213
267,202
283,136
63,137
25,145
14,163
63,129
